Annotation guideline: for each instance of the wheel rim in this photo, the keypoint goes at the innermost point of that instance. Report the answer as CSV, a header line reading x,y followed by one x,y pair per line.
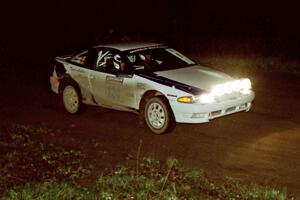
x,y
156,115
71,100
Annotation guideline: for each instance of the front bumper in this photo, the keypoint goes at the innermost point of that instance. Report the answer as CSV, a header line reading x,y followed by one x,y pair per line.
x,y
198,113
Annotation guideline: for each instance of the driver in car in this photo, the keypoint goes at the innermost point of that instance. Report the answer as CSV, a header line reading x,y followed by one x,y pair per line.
x,y
122,64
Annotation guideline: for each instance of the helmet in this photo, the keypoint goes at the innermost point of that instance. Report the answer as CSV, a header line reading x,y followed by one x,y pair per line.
x,y
142,57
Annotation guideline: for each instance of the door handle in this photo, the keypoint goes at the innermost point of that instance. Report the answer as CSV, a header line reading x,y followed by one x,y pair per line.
x,y
92,77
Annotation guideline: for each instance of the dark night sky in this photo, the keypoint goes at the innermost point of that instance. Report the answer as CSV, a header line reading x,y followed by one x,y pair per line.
x,y
66,23
93,16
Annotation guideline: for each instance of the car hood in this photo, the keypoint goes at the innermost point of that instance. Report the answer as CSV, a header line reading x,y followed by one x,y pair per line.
x,y
197,76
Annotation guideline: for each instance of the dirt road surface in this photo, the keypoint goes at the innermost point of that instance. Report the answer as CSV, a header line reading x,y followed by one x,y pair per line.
x,y
261,146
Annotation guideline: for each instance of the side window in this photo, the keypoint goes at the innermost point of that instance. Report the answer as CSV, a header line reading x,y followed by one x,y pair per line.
x,y
131,58
104,61
80,58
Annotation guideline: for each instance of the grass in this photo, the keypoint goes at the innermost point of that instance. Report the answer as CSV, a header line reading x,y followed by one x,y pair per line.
x,y
27,157
33,168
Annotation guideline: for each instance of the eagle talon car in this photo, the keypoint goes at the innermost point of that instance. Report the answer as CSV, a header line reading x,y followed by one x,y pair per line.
x,y
153,80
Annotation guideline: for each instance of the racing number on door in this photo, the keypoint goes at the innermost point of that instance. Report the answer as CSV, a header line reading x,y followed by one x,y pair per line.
x,y
113,88
113,92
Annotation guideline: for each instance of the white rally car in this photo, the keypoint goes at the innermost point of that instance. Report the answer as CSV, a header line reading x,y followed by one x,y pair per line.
x,y
160,84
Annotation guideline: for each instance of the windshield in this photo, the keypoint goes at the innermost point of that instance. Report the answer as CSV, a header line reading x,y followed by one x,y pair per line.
x,y
158,59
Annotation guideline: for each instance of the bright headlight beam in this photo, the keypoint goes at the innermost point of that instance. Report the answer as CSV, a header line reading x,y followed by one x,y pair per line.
x,y
206,98
246,84
218,90
236,85
240,85
232,86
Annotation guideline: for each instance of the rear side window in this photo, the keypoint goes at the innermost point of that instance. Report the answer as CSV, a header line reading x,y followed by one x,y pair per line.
x,y
79,59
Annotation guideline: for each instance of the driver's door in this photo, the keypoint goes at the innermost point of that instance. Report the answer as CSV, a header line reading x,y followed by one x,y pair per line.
x,y
111,89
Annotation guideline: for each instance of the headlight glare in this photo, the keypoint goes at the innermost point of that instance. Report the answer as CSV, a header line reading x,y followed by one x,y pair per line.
x,y
246,84
206,98
218,90
241,85
232,86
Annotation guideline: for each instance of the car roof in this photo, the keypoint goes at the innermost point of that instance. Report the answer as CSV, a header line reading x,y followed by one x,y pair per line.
x,y
130,45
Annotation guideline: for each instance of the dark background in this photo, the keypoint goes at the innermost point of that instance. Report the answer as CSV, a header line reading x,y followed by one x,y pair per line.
x,y
35,31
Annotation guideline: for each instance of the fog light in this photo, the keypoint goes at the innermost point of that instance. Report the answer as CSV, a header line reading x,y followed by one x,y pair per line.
x,y
246,91
243,106
199,115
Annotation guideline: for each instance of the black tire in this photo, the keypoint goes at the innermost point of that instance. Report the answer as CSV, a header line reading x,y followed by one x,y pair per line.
x,y
158,115
71,98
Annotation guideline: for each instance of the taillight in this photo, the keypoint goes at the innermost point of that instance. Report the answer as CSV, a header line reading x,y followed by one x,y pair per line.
x,y
54,80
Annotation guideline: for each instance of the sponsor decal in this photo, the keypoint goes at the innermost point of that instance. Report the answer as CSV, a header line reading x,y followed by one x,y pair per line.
x,y
171,95
77,69
112,79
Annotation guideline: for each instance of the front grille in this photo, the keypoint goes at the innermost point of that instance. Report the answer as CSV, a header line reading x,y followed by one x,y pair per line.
x,y
215,113
243,106
231,109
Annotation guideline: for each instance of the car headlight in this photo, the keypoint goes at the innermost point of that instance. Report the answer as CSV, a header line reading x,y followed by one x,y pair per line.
x,y
206,98
241,85
246,84
218,90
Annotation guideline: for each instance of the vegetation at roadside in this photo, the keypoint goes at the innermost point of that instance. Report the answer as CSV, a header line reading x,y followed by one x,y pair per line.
x,y
33,168
26,156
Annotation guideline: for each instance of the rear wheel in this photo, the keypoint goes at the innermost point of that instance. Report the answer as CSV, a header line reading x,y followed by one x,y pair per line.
x,y
158,115
71,98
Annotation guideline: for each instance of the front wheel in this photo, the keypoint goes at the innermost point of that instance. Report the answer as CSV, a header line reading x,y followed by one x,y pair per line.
x,y
158,115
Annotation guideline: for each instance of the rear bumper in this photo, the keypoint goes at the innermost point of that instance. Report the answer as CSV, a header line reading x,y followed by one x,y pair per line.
x,y
197,113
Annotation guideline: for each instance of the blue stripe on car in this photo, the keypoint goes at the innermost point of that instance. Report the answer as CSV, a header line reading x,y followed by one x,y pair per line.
x,y
171,83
